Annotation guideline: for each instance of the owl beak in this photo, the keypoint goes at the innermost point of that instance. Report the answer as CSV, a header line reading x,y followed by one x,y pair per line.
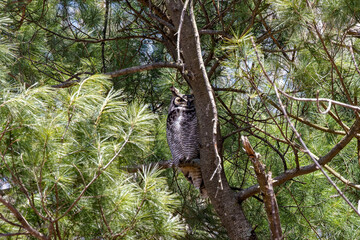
x,y
188,103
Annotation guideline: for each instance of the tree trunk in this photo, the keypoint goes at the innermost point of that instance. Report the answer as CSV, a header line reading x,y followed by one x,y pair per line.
x,y
223,199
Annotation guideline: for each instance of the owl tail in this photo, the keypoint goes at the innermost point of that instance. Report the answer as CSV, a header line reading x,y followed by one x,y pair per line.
x,y
193,175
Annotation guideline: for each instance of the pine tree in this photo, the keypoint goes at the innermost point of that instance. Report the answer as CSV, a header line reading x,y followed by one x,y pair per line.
x,y
84,90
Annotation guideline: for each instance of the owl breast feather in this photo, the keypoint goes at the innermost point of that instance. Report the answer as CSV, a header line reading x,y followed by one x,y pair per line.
x,y
182,135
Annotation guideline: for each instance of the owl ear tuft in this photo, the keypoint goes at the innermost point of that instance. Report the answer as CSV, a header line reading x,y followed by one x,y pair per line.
x,y
175,92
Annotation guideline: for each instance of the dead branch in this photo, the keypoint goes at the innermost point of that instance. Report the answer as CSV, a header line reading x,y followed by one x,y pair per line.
x,y
265,181
217,89
12,234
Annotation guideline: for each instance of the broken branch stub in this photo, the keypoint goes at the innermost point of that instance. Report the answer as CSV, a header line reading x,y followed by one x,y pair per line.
x,y
266,186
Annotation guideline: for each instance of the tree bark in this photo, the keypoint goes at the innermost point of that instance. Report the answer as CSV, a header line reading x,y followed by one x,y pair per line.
x,y
221,196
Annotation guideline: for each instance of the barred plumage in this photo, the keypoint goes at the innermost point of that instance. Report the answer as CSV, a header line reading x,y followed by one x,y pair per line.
x,y
183,136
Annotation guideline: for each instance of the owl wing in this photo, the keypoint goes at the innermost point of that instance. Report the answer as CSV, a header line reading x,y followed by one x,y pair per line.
x,y
174,136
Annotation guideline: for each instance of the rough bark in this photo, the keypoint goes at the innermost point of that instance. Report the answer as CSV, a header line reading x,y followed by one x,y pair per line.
x,y
223,199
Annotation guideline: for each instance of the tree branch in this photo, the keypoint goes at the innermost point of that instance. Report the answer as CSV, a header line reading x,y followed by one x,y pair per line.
x,y
265,181
22,220
317,162
341,178
161,165
151,66
122,72
330,101
292,173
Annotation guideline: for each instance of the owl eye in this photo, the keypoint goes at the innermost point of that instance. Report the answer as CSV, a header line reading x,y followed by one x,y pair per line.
x,y
179,100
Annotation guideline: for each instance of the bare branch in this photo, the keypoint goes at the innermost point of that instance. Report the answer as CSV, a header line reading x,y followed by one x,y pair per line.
x,y
330,101
13,234
353,58
266,185
302,214
121,72
215,32
228,90
2,217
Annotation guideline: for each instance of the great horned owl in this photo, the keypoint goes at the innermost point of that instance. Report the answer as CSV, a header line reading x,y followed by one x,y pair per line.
x,y
183,136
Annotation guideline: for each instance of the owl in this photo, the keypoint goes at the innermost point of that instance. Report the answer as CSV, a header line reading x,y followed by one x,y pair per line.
x,y
183,136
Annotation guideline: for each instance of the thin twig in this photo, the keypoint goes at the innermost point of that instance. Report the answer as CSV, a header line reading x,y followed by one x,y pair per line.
x,y
13,234
341,178
353,58
318,105
302,214
330,101
161,165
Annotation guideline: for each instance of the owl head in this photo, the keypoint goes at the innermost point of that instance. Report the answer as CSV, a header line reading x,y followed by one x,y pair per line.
x,y
181,100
